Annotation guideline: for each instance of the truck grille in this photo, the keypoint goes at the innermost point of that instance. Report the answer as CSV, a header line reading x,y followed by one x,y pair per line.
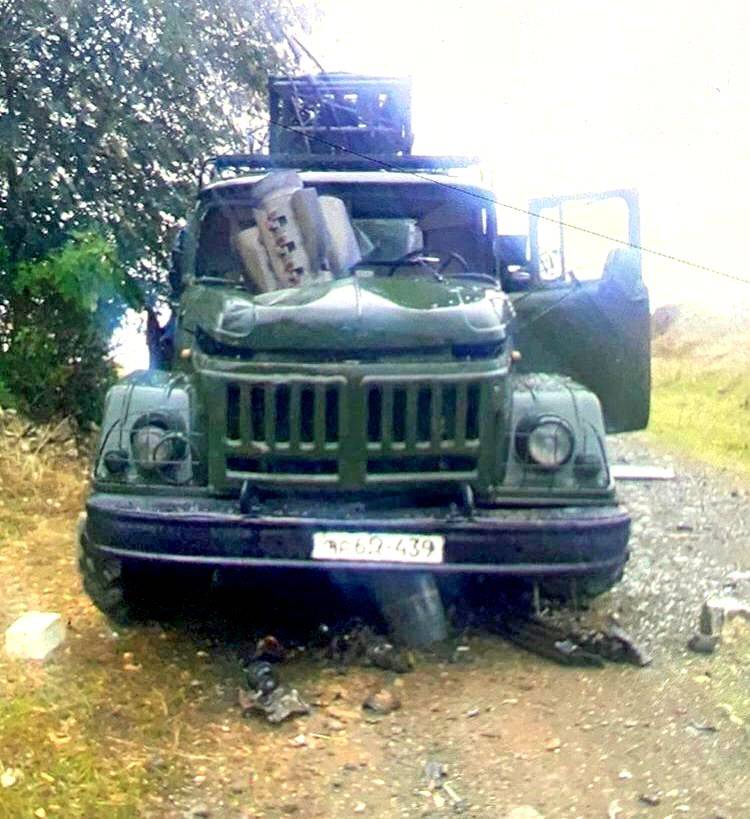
x,y
327,430
420,426
292,427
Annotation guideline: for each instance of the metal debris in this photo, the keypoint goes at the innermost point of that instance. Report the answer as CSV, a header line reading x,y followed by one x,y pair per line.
x,y
434,772
261,677
547,640
459,804
703,643
571,646
359,644
715,612
278,705
635,472
615,644
382,701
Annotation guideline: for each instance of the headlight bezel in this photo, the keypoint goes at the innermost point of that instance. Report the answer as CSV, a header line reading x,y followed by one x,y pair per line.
x,y
532,424
171,431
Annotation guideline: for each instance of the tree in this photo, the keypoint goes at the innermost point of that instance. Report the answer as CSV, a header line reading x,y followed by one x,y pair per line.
x,y
105,109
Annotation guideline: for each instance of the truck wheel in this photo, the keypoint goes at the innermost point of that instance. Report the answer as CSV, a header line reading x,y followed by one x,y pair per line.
x,y
105,581
136,591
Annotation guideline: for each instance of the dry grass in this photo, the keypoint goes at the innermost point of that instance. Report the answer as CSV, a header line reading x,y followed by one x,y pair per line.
x,y
41,468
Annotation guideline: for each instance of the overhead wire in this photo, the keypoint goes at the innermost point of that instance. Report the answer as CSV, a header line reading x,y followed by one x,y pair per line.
x,y
516,208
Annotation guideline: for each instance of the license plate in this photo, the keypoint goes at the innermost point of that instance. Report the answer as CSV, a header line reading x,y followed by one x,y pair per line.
x,y
379,547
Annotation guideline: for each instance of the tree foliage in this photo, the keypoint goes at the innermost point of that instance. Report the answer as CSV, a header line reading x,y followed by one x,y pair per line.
x,y
105,110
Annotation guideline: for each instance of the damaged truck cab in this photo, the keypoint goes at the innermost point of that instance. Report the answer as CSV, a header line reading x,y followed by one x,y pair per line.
x,y
360,373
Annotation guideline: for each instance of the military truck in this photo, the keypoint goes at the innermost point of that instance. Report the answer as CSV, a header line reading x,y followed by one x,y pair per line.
x,y
363,371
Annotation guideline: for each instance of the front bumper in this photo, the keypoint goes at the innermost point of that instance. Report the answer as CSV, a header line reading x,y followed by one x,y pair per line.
x,y
571,540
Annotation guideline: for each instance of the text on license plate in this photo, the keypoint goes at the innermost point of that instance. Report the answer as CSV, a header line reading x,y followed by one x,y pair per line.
x,y
388,547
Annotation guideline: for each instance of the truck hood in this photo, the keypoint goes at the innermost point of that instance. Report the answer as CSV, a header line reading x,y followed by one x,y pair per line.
x,y
349,315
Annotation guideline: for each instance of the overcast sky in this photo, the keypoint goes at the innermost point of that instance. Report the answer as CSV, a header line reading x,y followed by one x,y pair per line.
x,y
561,97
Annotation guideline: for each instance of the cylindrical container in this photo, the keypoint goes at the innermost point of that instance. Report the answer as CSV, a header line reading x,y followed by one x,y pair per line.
x,y
412,607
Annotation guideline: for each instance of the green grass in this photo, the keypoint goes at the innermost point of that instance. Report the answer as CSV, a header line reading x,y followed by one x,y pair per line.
x,y
702,407
59,736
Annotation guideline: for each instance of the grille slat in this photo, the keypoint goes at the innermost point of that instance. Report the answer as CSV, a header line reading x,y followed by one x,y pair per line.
x,y
436,418
319,413
295,416
288,428
462,405
411,417
387,417
429,426
245,430
282,429
269,420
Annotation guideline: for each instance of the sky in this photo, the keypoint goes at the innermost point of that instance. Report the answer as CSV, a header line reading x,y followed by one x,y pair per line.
x,y
566,97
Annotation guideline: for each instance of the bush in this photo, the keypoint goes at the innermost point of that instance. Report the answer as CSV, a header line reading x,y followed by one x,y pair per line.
x,y
57,330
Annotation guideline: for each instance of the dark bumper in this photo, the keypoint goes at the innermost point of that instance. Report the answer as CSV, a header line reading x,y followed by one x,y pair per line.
x,y
538,541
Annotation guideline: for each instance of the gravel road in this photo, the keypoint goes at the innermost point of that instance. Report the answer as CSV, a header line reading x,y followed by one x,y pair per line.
x,y
512,730
516,731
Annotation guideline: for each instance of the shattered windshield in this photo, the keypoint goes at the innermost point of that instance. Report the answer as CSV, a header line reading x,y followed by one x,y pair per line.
x,y
390,226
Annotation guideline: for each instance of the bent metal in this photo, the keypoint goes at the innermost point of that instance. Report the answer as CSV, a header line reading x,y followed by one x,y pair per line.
x,y
365,370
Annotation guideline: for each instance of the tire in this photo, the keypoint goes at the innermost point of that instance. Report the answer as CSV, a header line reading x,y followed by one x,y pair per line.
x,y
105,582
131,592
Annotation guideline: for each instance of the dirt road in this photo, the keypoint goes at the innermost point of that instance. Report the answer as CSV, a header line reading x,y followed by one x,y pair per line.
x,y
146,722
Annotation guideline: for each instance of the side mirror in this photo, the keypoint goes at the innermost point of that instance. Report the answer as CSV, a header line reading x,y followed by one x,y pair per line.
x,y
510,251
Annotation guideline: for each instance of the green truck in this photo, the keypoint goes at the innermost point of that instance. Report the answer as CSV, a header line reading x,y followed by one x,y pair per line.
x,y
363,372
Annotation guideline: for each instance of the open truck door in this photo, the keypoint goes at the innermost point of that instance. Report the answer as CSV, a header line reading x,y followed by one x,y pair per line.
x,y
582,307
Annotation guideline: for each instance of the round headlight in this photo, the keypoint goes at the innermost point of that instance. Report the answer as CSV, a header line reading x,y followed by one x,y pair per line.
x,y
547,442
156,446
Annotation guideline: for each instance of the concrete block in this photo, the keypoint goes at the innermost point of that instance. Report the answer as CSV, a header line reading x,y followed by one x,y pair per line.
x,y
34,635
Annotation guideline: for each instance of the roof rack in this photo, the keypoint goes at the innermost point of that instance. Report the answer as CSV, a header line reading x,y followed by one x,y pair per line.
x,y
231,165
332,113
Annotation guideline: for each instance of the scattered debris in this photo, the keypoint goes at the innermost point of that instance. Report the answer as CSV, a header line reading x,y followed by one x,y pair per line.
x,y
614,644
261,676
278,705
703,728
574,645
715,612
703,643
270,649
459,804
524,812
360,644
382,701
435,772
545,639
385,655
10,776
635,472
34,635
